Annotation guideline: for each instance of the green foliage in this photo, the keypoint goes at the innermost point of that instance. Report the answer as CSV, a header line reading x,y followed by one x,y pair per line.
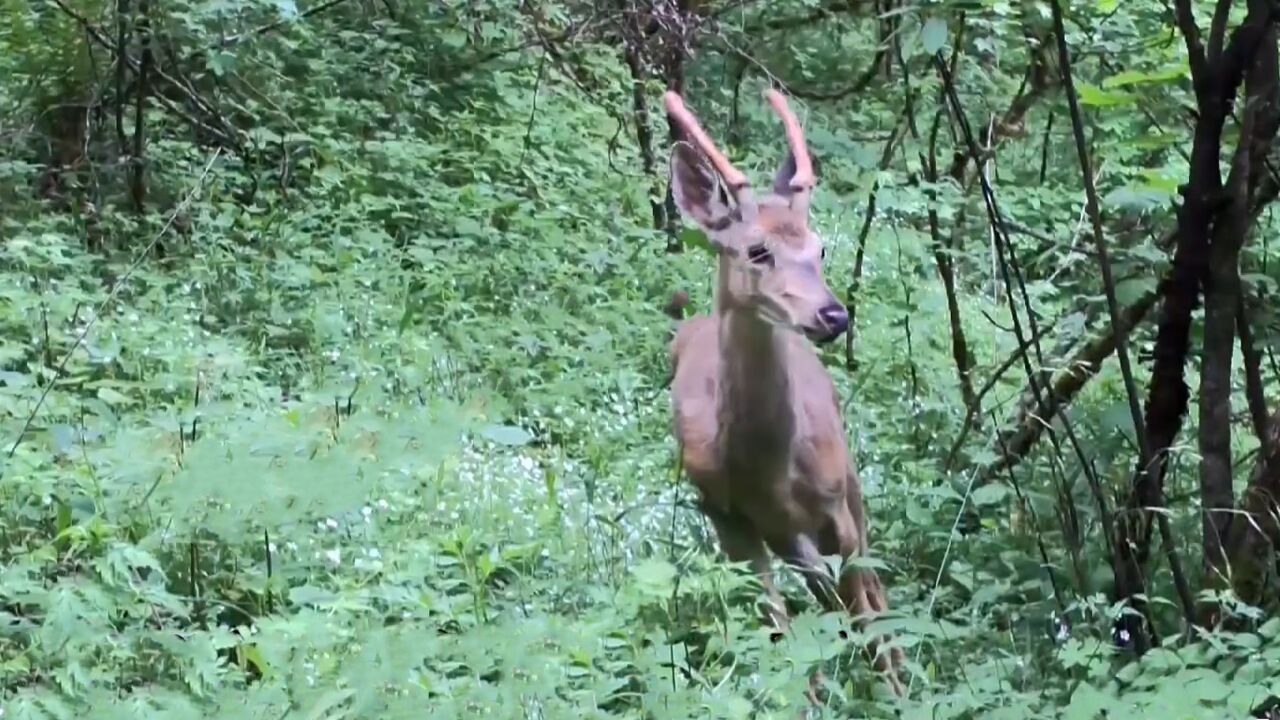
x,y
379,428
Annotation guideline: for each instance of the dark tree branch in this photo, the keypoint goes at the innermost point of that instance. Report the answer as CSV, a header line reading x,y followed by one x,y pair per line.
x,y
1082,366
1255,535
281,22
941,249
137,162
1167,397
631,54
1221,305
1254,393
1012,277
1186,21
818,14
1040,546
966,425
855,280
227,135
1224,301
122,65
1113,305
1217,29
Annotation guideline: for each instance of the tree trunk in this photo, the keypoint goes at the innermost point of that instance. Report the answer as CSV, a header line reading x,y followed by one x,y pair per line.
x,y
1216,76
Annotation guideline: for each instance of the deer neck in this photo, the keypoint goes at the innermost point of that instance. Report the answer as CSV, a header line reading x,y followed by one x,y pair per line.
x,y
756,415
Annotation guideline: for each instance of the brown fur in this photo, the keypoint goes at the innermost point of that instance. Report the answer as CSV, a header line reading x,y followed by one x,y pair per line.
x,y
754,411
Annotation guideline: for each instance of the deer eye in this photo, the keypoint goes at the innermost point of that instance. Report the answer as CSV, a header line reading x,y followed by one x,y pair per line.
x,y
760,255
824,254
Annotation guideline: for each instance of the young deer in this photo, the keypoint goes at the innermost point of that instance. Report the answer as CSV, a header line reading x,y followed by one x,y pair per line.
x,y
755,413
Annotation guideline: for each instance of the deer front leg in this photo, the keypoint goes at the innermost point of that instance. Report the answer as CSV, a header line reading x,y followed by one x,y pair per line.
x,y
860,588
863,595
741,543
858,591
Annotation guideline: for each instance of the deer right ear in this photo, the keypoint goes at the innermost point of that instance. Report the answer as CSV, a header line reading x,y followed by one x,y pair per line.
x,y
697,189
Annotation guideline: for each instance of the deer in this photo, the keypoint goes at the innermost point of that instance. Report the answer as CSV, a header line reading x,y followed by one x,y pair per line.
x,y
755,413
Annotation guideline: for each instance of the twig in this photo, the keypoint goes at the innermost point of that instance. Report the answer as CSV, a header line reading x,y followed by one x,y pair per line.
x,y
115,289
533,112
1035,529
967,424
227,135
277,24
1113,305
1012,277
855,282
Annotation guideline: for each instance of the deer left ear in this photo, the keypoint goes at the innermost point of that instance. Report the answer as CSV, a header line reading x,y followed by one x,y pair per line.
x,y
697,190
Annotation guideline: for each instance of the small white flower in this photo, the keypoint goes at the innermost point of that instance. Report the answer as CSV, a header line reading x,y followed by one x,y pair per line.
x,y
331,523
373,553
382,505
366,511
334,556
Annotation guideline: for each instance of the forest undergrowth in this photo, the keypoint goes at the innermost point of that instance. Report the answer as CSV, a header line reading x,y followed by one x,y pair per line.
x,y
333,381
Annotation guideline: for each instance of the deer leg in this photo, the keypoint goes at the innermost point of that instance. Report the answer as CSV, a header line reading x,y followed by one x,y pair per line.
x,y
802,555
860,588
864,596
741,543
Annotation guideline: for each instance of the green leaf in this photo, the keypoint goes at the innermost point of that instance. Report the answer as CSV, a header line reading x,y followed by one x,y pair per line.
x,y
220,62
507,435
1139,198
1096,96
311,595
1087,703
112,397
695,238
1270,629
1130,290
63,437
933,36
866,563
655,576
1137,77
327,702
989,494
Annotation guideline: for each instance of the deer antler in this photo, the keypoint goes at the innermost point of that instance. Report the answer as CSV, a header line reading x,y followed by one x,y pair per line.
x,y
803,179
738,183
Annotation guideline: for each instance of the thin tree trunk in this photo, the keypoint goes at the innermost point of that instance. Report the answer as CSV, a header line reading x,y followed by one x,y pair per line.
x,y
1221,303
1224,305
1255,536
122,67
138,181
673,74
644,134
855,280
1216,75
1254,393
941,248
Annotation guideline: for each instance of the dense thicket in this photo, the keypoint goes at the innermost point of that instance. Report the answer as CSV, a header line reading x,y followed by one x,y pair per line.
x,y
332,380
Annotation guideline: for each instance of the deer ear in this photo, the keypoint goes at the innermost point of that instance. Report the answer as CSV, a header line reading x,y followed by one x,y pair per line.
x,y
697,189
787,171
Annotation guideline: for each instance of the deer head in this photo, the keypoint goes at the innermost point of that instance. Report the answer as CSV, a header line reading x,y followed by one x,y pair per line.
x,y
770,259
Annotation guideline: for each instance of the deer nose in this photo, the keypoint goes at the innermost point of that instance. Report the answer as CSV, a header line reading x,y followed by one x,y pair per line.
x,y
835,319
